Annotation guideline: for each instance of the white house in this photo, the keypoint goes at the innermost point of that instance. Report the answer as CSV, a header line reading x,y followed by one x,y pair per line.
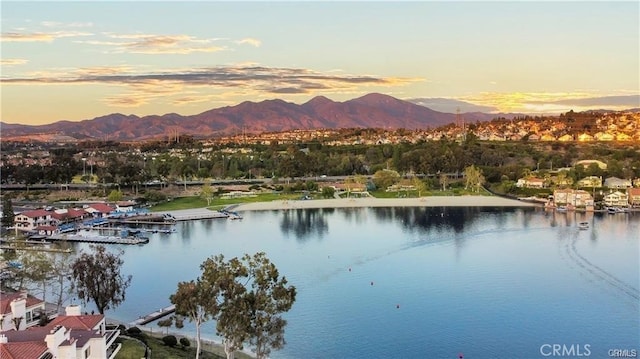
x,y
590,181
616,199
30,220
70,336
532,182
615,182
20,305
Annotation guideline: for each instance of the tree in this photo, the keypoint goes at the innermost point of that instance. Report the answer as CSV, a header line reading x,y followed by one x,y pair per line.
x,y
267,297
97,277
444,181
207,192
192,301
246,298
114,196
7,212
419,185
474,178
328,192
385,178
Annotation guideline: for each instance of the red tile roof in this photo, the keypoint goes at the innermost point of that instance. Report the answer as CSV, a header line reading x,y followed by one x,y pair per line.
x,y
102,208
83,322
36,213
23,350
7,298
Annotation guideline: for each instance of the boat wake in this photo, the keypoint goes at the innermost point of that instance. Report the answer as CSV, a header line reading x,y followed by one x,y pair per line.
x,y
595,272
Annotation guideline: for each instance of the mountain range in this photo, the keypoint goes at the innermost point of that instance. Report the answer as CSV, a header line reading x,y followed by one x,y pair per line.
x,y
370,111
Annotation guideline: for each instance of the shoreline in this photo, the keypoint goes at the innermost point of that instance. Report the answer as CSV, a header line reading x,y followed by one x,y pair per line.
x,y
431,201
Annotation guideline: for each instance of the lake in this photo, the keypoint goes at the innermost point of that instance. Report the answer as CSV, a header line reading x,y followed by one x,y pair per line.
x,y
422,282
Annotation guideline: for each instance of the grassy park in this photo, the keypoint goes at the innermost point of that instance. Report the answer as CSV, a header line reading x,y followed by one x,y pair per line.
x,y
219,203
134,349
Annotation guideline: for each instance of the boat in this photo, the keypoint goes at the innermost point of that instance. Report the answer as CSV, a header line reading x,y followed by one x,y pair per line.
x,y
611,210
234,215
562,209
583,225
622,210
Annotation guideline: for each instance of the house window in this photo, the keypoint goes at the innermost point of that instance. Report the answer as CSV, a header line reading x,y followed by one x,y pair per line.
x,y
29,317
87,352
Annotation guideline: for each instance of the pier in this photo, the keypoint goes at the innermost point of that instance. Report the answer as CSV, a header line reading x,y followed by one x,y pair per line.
x,y
163,312
188,215
98,239
130,229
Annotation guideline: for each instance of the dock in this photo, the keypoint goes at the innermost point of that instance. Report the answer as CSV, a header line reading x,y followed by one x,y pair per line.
x,y
98,239
129,229
163,312
200,215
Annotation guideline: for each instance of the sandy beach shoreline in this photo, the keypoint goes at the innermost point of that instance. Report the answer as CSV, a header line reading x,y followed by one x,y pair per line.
x,y
433,201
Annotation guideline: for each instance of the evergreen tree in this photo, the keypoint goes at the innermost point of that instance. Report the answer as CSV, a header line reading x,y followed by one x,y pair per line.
x,y
7,212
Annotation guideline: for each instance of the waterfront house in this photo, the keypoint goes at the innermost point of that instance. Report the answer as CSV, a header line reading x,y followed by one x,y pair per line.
x,y
572,198
616,199
125,206
99,210
28,221
634,197
72,335
20,305
615,182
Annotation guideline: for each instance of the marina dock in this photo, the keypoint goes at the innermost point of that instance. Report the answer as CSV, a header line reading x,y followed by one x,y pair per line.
x,y
163,312
198,213
98,239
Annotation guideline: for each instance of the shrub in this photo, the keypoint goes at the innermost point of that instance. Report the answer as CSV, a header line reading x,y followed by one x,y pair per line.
x,y
170,340
134,331
185,342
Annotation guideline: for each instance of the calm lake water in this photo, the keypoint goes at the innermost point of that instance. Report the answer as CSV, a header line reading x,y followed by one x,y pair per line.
x,y
421,282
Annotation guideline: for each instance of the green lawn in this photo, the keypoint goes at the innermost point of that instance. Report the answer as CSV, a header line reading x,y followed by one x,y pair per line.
x,y
132,349
217,203
414,194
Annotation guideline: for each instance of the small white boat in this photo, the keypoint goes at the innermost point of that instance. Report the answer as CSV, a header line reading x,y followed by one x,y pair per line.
x,y
234,215
583,225
562,209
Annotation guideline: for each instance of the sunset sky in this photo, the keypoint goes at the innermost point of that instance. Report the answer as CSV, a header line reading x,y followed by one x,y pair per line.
x,y
79,60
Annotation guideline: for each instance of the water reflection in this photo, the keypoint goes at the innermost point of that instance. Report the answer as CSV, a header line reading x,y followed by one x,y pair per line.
x,y
304,224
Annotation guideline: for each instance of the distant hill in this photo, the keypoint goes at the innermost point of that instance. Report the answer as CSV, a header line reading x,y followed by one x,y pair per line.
x,y
370,111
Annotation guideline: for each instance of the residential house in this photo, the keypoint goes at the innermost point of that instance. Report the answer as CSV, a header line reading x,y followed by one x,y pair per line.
x,y
587,163
99,210
590,181
623,137
29,220
604,136
615,182
533,182
634,197
572,198
616,199
125,206
565,138
73,336
20,305
585,137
